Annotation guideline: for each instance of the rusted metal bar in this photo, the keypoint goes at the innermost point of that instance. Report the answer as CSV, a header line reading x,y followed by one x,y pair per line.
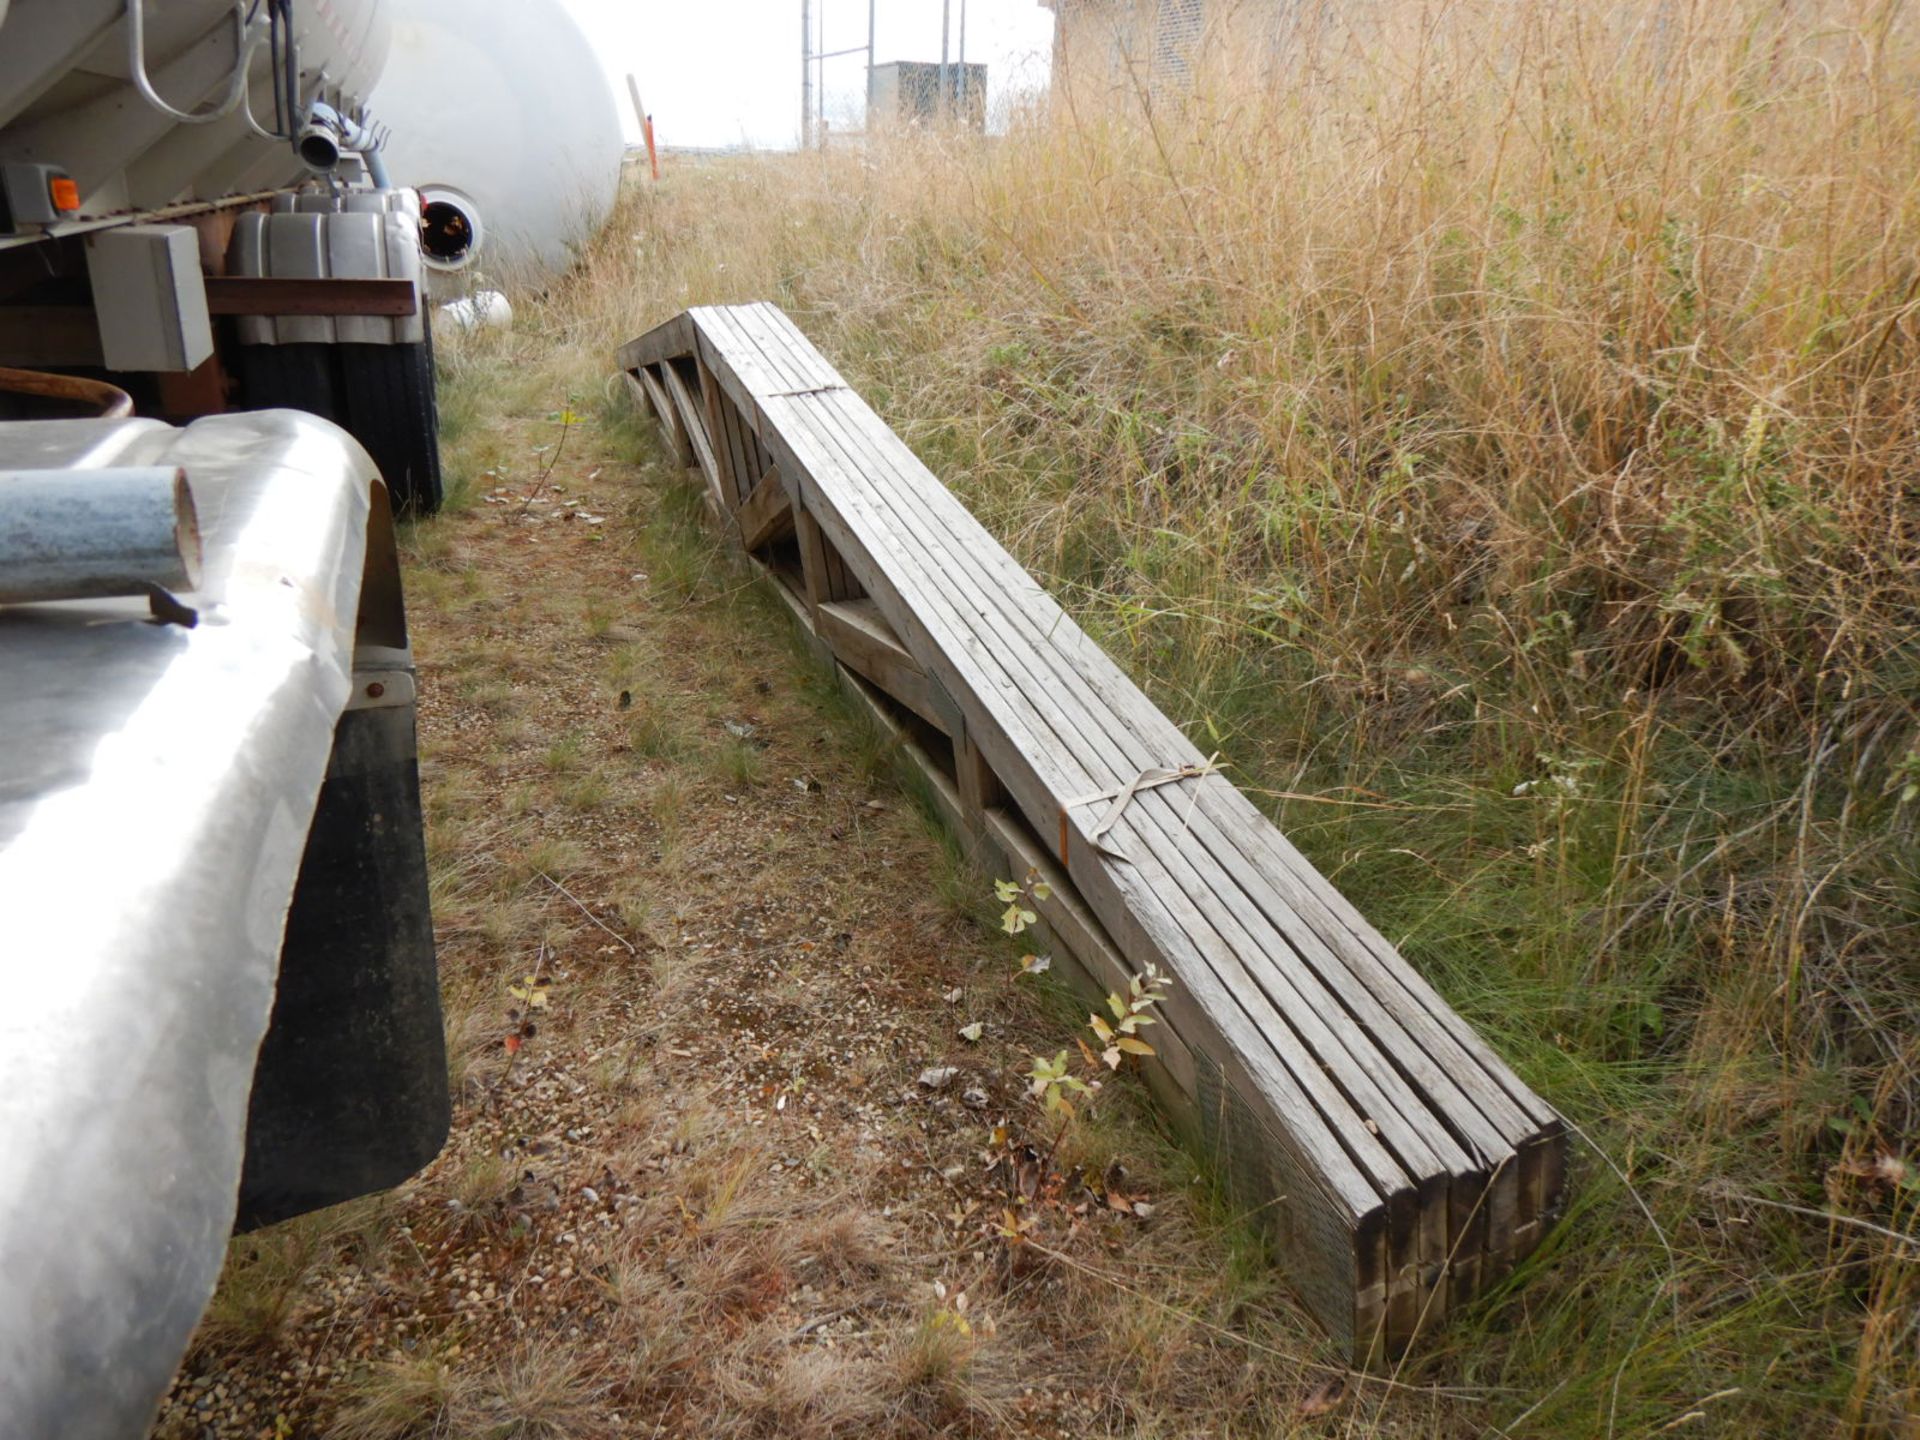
x,y
110,402
283,295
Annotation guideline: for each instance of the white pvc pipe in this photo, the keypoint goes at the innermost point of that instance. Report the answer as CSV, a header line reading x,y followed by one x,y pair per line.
x,y
483,310
82,534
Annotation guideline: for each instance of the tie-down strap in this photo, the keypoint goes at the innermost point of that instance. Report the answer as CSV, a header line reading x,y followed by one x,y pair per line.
x,y
1122,796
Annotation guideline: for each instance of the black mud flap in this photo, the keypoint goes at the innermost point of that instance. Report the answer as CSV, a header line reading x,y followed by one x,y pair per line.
x,y
350,1094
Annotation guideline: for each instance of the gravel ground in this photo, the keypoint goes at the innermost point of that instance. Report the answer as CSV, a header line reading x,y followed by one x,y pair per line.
x,y
722,1161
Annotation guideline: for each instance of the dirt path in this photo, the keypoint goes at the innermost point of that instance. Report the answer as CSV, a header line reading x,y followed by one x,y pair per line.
x,y
704,967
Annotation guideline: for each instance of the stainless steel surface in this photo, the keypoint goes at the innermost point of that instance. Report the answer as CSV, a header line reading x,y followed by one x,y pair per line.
x,y
67,535
156,787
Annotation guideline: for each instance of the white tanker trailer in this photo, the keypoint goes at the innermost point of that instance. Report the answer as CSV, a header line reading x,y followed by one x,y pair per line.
x,y
213,897
516,160
183,183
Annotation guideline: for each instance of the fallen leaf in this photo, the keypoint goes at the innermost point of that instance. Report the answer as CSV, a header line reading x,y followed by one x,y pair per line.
x,y
936,1077
1325,1397
972,1033
533,990
1884,1169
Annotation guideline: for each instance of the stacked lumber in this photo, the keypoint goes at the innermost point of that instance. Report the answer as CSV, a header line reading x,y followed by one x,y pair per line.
x,y
1400,1165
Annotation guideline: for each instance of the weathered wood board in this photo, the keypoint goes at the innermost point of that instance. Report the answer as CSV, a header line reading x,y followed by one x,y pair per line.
x,y
1401,1166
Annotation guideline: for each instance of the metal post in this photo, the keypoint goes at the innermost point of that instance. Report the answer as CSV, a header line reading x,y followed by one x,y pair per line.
x,y
946,81
870,5
646,126
639,110
965,84
806,73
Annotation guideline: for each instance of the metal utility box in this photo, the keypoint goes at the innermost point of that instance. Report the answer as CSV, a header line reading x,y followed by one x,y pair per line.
x,y
909,92
150,297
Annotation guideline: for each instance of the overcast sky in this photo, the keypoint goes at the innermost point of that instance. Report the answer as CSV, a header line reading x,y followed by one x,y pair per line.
x,y
727,72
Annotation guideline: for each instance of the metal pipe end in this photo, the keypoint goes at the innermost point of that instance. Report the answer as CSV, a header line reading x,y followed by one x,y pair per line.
x,y
319,148
186,530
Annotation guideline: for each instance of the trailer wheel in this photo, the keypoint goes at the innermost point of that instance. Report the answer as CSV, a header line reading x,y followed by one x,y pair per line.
x,y
387,400
290,377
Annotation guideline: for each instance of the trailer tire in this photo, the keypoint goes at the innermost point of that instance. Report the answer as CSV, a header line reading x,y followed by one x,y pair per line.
x,y
290,377
387,400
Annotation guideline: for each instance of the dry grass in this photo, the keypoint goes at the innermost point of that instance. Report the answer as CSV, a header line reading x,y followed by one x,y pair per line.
x,y
704,1196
